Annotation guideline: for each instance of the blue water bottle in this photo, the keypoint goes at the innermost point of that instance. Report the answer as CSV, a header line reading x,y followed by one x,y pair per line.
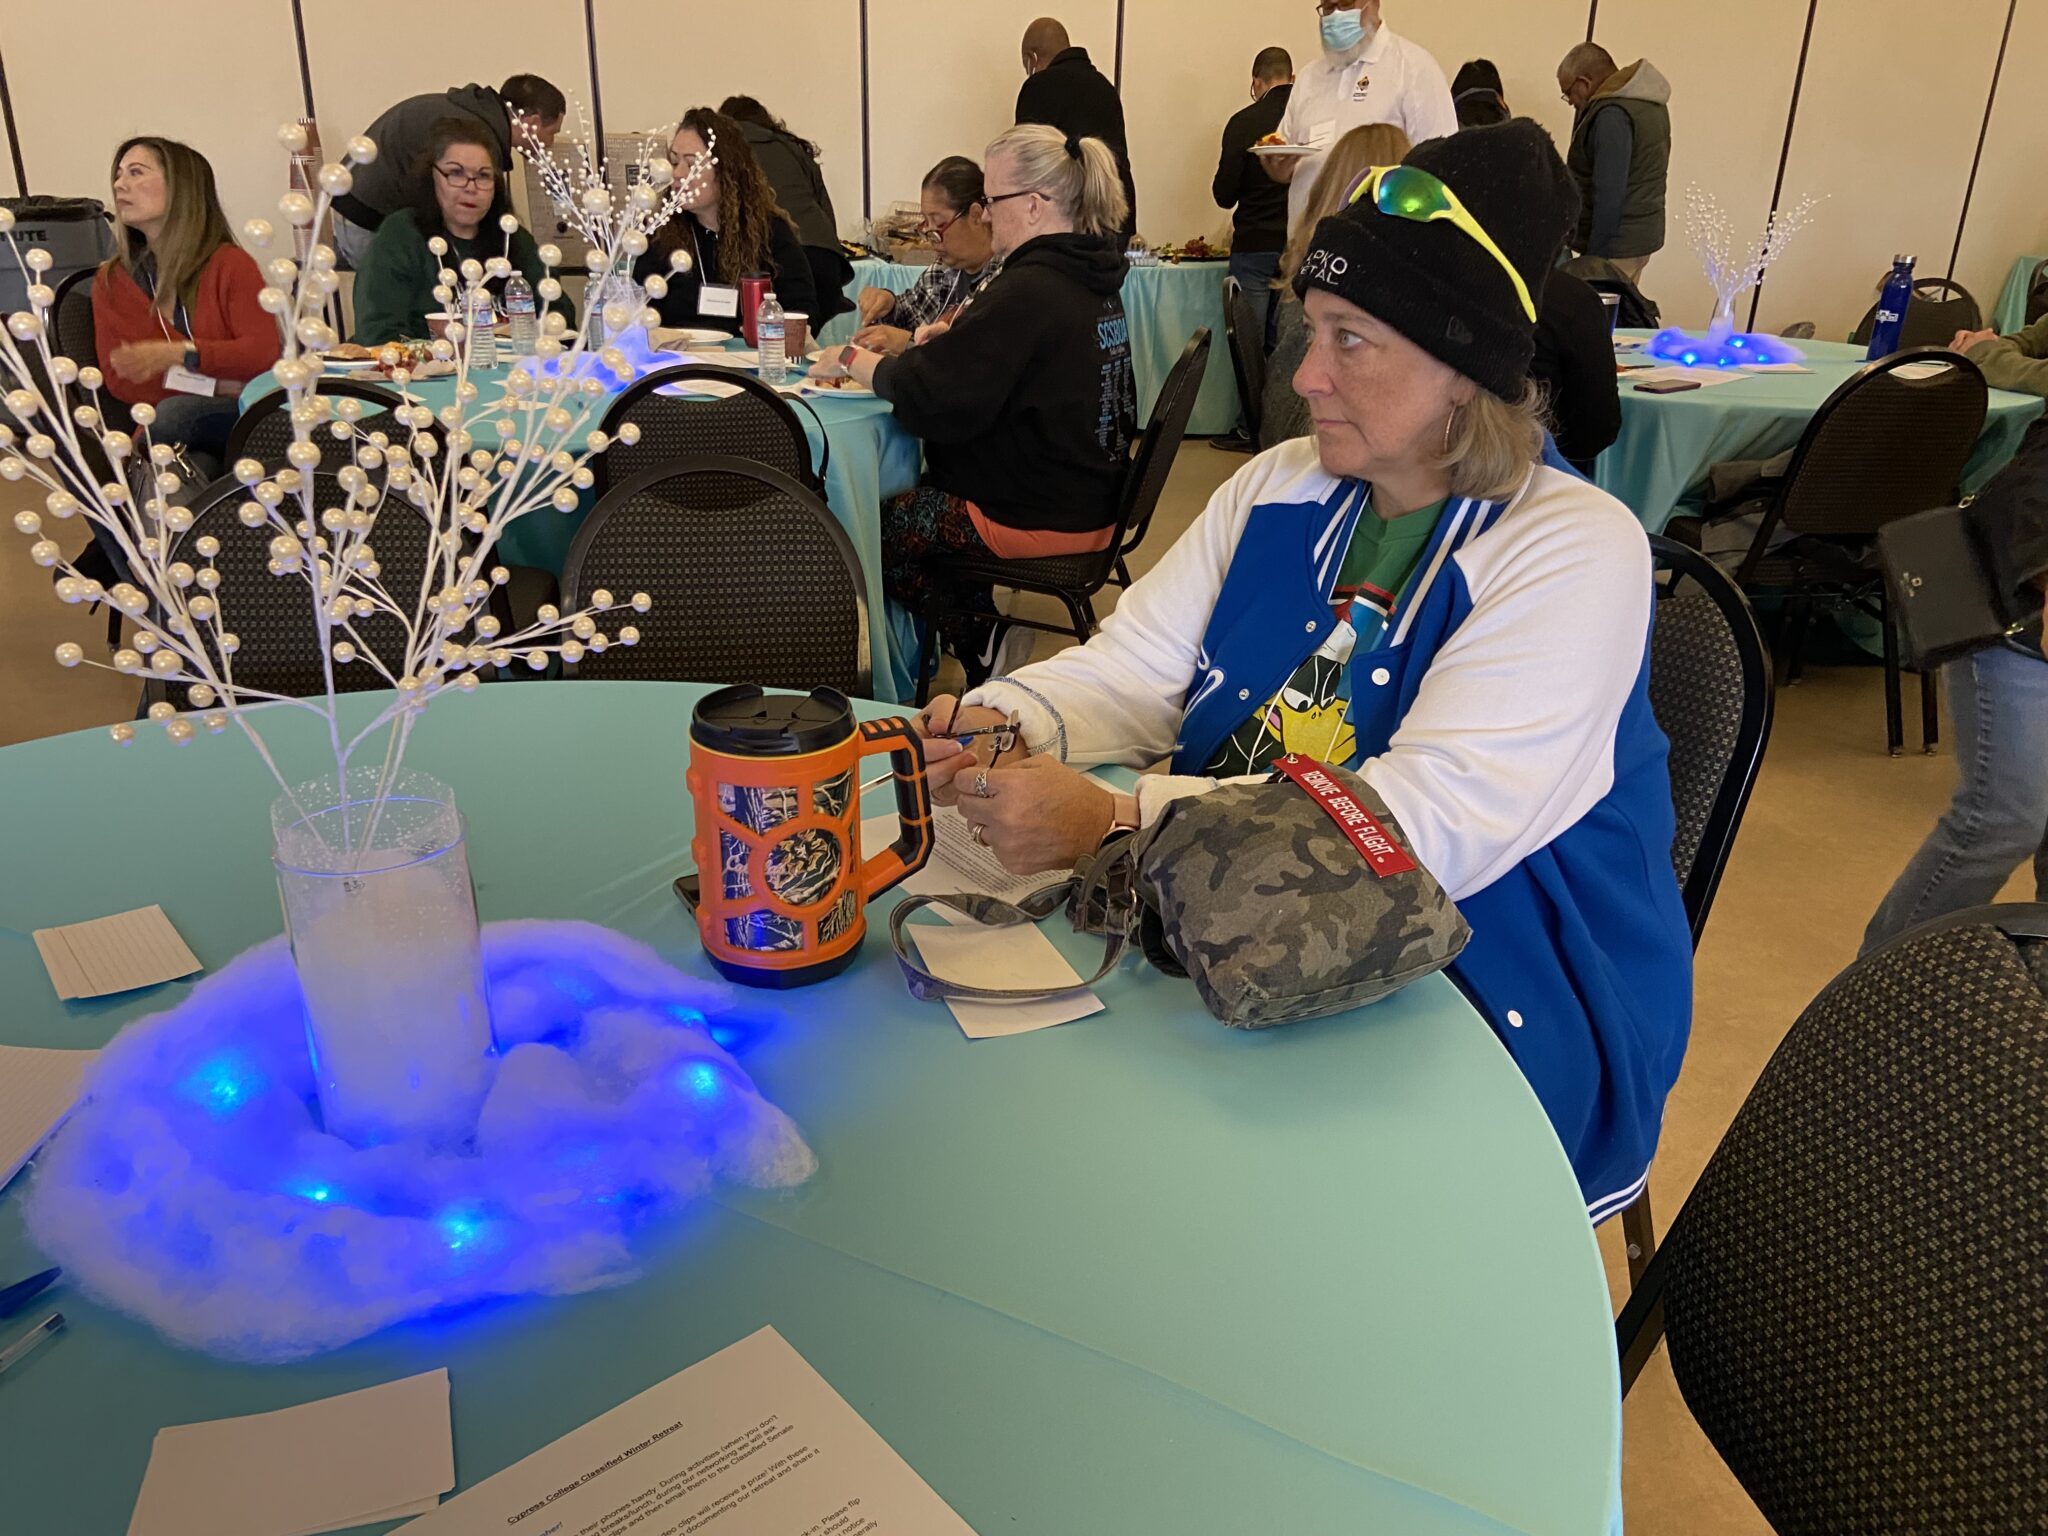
x,y
1891,310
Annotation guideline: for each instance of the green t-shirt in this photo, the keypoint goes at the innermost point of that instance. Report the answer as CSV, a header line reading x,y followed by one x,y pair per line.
x,y
1310,714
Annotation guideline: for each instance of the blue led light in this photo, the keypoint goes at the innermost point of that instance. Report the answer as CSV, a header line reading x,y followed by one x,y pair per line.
x,y
222,1084
700,1080
460,1230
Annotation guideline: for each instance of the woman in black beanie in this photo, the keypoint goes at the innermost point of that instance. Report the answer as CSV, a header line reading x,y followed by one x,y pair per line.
x,y
1413,594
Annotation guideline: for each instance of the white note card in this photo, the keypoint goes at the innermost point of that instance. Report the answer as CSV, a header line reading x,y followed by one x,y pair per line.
x,y
37,1090
379,1454
114,954
750,1442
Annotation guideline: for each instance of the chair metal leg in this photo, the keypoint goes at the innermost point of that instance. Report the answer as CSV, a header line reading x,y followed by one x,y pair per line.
x,y
1123,572
1798,622
1639,1231
1930,710
1894,707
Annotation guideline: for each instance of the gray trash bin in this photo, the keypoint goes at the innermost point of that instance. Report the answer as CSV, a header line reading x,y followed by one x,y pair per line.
x,y
74,230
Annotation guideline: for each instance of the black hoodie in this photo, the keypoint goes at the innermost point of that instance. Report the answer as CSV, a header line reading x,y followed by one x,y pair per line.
x,y
401,133
1026,405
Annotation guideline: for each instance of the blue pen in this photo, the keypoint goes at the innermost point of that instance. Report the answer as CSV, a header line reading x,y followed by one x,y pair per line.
x,y
15,1297
12,1354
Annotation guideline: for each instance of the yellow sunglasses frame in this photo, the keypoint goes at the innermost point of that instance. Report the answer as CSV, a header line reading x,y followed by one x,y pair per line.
x,y
1459,216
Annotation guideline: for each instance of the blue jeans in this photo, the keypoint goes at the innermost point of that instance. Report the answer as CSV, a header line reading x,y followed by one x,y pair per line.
x,y
199,424
1254,271
1998,702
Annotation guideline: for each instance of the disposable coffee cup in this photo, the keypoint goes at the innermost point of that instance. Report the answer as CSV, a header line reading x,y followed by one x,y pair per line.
x,y
796,335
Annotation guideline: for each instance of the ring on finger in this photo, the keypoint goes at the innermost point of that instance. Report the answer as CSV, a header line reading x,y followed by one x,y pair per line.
x,y
974,831
981,785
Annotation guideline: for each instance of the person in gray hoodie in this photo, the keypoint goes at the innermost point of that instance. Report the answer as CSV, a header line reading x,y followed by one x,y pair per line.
x,y
1619,155
523,104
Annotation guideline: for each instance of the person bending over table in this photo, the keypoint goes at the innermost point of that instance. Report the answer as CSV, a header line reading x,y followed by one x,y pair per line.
x,y
1025,400
731,228
956,221
1411,594
2018,362
175,318
790,162
458,195
1285,414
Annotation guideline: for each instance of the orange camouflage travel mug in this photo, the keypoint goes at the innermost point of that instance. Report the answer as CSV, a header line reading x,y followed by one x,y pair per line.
x,y
775,781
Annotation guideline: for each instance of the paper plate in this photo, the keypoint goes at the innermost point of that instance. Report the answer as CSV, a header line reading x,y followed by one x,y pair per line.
x,y
1283,150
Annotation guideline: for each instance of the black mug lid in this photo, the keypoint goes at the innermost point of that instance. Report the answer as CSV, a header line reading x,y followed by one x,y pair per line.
x,y
747,721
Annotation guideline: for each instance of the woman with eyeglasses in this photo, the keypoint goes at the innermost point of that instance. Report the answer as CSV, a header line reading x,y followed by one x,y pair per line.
x,y
458,195
956,222
175,317
731,227
1413,594
1023,398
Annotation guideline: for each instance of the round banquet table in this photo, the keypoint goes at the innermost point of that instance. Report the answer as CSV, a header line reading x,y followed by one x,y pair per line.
x,y
871,459
1165,304
2010,313
1137,1274
1669,442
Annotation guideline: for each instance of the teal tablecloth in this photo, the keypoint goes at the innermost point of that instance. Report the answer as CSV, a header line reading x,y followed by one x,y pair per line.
x,y
872,458
2011,313
1166,305
1669,442
1136,1275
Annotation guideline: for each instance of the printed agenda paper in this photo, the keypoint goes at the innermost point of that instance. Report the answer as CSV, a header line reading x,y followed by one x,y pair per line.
x,y
750,1442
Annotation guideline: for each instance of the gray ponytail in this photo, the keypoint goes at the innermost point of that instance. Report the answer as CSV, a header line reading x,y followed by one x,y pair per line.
x,y
1085,186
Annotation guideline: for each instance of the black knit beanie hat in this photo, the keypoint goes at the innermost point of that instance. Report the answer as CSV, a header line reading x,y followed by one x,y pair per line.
x,y
1434,283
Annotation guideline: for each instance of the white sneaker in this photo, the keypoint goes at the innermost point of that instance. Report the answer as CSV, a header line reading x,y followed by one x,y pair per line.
x,y
1009,647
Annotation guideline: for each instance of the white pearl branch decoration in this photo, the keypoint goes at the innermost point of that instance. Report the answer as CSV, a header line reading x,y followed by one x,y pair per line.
x,y
322,532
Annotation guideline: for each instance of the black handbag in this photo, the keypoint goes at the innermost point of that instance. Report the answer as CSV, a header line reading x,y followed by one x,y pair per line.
x,y
1952,587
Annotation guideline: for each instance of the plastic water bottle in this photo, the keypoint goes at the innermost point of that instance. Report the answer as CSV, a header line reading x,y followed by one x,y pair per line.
x,y
1891,310
522,323
768,333
483,341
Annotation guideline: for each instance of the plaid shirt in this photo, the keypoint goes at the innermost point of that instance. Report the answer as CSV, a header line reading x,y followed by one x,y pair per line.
x,y
937,290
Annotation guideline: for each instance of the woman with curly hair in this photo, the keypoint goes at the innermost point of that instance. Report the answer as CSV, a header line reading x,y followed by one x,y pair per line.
x,y
731,227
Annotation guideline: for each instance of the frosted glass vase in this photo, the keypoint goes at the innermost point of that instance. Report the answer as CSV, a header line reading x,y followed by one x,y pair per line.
x,y
381,915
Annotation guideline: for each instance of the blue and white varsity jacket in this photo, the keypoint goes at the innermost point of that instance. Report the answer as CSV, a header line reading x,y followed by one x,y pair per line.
x,y
1503,715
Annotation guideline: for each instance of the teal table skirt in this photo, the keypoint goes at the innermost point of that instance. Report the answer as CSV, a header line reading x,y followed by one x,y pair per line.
x,y
1166,304
871,459
1669,442
2011,313
1139,1275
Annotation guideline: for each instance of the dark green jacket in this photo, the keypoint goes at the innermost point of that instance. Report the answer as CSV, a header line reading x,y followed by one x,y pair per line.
x,y
1642,96
394,290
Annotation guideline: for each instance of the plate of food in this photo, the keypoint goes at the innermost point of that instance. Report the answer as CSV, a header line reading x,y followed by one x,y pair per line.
x,y
842,384
666,338
1273,144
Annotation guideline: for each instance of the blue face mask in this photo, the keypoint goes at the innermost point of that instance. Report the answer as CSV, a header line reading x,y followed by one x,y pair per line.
x,y
1343,30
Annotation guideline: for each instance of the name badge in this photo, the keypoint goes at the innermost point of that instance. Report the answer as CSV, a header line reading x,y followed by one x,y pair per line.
x,y
182,380
1358,91
718,299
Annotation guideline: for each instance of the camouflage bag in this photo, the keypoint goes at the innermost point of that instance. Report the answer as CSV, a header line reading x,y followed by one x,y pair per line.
x,y
1282,900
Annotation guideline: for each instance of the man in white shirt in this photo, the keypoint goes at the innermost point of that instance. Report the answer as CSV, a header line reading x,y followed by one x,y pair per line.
x,y
1367,74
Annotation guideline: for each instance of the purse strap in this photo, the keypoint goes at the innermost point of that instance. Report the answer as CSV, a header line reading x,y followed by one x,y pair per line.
x,y
1100,892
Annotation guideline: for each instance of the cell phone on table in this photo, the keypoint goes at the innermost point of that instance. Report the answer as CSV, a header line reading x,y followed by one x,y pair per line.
x,y
1665,386
686,891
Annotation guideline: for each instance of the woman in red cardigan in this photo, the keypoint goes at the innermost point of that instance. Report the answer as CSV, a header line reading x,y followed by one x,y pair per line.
x,y
174,310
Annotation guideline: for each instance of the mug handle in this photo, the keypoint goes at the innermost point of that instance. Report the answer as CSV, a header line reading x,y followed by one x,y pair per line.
x,y
913,846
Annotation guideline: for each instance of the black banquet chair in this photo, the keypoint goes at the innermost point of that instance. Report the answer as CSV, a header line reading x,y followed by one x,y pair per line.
x,y
1939,307
272,616
1075,579
1892,440
751,576
1247,341
264,431
750,421
1855,1294
1711,690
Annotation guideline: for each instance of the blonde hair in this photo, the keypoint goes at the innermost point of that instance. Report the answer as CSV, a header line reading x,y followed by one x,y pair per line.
x,y
1350,157
1492,443
1085,187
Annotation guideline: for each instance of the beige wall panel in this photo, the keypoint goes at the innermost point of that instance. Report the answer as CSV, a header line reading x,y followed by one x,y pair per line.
x,y
74,102
1885,133
2009,211
945,78
1731,67
801,59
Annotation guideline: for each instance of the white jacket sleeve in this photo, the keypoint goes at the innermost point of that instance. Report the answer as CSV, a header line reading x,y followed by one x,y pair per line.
x,y
1510,740
1428,110
1120,698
